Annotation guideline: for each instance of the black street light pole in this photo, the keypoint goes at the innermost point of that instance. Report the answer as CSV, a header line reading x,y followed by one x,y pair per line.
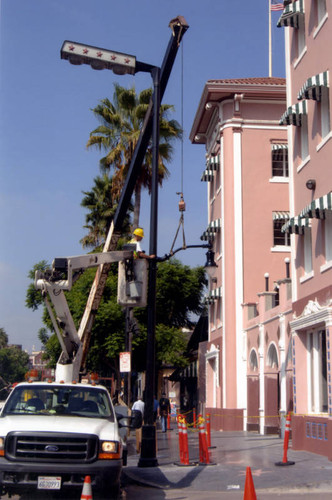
x,y
119,63
148,447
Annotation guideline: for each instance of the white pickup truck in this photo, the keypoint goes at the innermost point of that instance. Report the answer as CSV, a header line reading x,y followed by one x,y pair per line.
x,y
52,435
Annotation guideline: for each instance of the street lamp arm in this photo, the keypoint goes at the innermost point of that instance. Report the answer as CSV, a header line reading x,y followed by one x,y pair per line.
x,y
167,256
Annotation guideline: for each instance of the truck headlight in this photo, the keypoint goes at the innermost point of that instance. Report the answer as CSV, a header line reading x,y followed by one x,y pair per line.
x,y
109,446
2,446
109,450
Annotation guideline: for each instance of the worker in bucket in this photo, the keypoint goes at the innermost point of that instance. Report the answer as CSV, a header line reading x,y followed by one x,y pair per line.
x,y
138,235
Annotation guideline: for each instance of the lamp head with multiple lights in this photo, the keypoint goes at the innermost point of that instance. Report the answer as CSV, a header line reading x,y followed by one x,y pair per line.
x,y
97,58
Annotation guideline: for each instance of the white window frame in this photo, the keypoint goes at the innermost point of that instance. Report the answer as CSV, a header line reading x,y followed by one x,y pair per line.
x,y
212,366
286,236
283,152
317,384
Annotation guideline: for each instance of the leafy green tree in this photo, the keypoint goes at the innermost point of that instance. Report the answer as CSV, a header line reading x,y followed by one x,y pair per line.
x,y
3,338
14,364
33,297
118,133
101,211
179,293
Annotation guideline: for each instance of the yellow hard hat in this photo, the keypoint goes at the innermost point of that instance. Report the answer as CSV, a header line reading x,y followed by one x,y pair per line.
x,y
139,232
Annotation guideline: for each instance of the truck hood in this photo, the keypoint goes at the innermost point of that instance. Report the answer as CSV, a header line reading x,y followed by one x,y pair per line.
x,y
103,428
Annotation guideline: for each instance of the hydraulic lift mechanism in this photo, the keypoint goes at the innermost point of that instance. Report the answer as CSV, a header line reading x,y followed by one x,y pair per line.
x,y
64,272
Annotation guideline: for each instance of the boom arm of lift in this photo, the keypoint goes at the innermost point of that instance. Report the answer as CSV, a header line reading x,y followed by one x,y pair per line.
x,y
52,284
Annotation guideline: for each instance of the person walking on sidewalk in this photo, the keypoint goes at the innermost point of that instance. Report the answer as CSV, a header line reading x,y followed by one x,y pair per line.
x,y
139,405
165,409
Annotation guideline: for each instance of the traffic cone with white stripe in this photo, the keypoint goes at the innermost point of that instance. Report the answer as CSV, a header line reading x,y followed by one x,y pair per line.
x,y
285,461
87,490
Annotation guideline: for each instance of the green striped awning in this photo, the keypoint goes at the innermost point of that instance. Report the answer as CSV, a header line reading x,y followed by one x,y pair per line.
x,y
207,176
291,14
280,215
213,163
317,208
279,147
211,230
312,89
295,225
293,114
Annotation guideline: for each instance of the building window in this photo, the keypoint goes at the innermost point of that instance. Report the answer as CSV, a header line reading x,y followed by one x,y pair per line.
x,y
300,35
321,10
324,108
303,131
317,367
272,357
279,160
328,235
307,251
253,361
280,238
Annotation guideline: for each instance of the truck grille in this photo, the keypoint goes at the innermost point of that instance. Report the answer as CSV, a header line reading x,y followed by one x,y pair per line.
x,y
51,447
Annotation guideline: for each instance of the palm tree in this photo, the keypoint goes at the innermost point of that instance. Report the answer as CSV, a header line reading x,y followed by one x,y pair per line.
x,y
118,133
101,210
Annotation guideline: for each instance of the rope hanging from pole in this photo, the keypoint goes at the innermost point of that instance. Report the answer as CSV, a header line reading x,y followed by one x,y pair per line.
x,y
182,205
182,208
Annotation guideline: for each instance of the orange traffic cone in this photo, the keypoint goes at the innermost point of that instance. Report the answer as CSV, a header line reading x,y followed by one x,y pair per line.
x,y
249,488
87,491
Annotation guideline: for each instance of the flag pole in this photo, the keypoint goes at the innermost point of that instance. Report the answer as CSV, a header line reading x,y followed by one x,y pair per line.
x,y
270,41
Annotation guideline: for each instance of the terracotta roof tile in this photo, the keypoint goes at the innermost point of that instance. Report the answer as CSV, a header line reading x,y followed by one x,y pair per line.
x,y
252,81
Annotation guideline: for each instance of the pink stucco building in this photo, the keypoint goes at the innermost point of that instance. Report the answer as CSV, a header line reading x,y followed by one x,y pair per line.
x,y
247,371
308,35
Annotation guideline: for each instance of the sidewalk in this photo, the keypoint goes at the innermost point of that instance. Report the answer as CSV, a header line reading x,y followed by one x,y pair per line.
x,y
231,453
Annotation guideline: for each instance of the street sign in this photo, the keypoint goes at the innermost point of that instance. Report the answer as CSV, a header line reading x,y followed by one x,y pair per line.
x,y
125,362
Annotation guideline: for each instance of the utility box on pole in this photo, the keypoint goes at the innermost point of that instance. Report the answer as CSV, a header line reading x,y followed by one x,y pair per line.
x,y
132,283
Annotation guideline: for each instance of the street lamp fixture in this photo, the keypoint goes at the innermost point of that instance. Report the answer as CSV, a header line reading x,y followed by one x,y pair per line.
x,y
210,264
99,58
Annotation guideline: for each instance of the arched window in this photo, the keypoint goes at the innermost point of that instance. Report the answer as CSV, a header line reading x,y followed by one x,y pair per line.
x,y
253,360
272,357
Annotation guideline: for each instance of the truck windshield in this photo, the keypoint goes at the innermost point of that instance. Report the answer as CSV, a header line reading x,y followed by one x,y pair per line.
x,y
59,400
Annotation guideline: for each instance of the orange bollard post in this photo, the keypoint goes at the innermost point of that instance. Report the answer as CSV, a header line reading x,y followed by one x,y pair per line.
x,y
204,458
185,448
194,418
286,442
249,488
179,420
208,430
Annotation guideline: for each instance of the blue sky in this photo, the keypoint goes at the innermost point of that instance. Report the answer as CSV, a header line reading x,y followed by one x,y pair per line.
x,y
46,118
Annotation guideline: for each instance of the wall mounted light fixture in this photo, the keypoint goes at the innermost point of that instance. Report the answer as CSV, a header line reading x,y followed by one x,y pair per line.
x,y
311,184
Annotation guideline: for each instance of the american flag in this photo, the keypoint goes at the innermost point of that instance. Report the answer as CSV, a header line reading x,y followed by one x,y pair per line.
x,y
276,5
